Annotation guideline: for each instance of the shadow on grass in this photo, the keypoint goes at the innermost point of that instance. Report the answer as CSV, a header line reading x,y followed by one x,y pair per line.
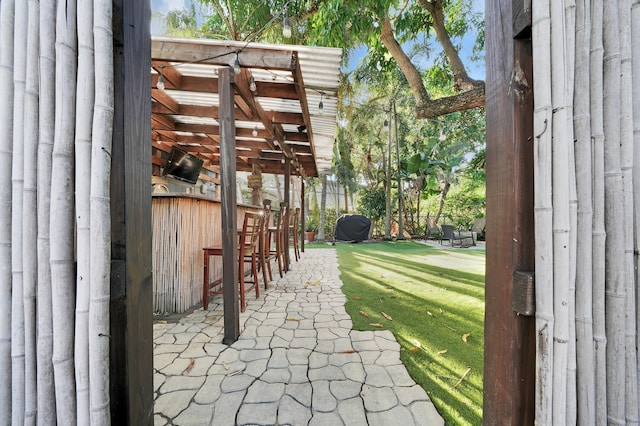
x,y
436,312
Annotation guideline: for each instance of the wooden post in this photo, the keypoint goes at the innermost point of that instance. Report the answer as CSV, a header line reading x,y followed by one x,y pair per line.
x,y
287,199
302,221
255,183
131,316
509,368
229,207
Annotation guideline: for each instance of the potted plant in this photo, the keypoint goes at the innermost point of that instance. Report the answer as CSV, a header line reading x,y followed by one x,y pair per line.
x,y
310,228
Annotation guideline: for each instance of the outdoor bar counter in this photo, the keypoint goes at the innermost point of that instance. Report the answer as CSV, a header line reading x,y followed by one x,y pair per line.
x,y
182,225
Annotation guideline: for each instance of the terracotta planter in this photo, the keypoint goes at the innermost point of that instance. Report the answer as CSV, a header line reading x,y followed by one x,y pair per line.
x,y
309,235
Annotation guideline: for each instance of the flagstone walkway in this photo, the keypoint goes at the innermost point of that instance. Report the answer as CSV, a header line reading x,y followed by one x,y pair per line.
x,y
297,362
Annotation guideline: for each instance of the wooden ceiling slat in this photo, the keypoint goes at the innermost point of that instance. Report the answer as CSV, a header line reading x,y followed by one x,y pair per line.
x,y
163,122
162,98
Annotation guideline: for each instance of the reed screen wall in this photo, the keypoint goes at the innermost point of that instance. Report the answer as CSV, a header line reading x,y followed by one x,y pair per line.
x,y
182,226
586,57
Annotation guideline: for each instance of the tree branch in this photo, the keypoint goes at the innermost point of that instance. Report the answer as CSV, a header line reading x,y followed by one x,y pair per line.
x,y
473,95
463,101
404,62
462,81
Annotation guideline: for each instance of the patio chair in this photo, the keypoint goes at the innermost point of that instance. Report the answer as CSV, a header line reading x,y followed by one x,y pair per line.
x,y
432,229
293,232
263,253
248,248
276,236
450,233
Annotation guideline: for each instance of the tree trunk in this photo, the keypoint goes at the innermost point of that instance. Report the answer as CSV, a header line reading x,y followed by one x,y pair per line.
x,y
62,216
46,391
323,207
84,116
443,200
543,211
387,186
101,216
17,180
6,129
614,245
346,199
598,232
30,210
278,188
582,132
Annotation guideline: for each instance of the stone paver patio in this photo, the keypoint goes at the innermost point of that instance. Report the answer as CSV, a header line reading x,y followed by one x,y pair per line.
x,y
297,362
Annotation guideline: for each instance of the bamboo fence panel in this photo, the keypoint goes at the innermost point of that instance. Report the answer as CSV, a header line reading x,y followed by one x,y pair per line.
x,y
597,57
182,226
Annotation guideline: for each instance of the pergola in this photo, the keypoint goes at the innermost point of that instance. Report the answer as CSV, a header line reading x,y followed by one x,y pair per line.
x,y
244,106
284,103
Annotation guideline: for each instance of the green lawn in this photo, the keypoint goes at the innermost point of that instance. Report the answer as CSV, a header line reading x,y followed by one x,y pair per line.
x,y
435,299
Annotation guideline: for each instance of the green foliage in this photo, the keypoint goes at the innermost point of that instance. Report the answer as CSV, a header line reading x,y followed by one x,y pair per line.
x,y
371,203
436,300
330,217
311,223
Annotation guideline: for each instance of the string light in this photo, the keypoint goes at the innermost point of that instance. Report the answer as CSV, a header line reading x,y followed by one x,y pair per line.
x,y
255,131
321,104
160,83
252,84
286,27
235,64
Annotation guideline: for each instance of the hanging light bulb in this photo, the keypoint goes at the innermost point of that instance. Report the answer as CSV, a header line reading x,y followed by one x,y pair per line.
x,y
286,27
252,84
235,64
160,83
255,131
386,122
321,104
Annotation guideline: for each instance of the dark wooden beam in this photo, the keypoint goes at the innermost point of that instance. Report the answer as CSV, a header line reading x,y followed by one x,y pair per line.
x,y
184,50
229,210
287,199
302,215
131,314
521,18
509,354
302,95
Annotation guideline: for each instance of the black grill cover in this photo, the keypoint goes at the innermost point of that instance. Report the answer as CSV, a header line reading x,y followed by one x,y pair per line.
x,y
352,227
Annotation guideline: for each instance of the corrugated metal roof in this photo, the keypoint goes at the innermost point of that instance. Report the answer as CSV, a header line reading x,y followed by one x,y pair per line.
x,y
284,97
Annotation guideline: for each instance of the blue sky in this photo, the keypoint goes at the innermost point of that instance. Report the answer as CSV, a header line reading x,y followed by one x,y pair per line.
x,y
475,70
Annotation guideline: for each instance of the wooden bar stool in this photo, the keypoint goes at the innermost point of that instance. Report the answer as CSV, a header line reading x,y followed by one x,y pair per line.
x,y
293,232
263,254
276,234
248,248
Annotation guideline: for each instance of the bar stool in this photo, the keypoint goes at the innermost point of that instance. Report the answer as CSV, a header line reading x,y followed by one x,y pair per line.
x,y
293,232
276,234
248,247
263,253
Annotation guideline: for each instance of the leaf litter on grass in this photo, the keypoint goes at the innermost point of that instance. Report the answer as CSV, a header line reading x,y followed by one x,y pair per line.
x,y
445,317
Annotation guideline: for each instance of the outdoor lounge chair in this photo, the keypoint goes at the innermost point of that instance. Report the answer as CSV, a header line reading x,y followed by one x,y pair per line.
x,y
450,233
432,229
